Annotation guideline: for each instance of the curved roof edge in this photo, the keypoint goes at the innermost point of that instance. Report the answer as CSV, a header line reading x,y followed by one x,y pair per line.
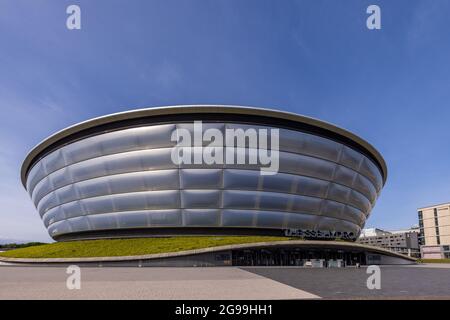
x,y
254,245
193,109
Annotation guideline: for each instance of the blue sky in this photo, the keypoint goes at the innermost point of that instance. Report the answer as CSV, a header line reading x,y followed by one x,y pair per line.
x,y
313,57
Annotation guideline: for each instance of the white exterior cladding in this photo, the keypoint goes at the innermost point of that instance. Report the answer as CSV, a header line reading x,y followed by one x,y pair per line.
x,y
124,179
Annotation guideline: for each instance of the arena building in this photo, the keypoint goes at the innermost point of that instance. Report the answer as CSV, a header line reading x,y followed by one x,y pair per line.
x,y
116,176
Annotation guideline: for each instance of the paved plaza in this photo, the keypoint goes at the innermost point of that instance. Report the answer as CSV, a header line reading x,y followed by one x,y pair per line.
x,y
431,281
143,283
397,282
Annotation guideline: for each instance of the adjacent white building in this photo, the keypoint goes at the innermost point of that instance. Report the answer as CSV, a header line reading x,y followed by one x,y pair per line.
x,y
401,241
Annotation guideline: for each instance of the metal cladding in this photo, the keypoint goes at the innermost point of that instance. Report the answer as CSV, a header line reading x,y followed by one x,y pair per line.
x,y
114,174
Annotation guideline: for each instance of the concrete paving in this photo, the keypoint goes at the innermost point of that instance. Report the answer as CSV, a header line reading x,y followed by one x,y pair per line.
x,y
429,281
397,282
143,283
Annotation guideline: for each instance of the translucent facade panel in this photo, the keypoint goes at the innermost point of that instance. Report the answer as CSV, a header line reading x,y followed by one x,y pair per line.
x,y
55,213
35,175
269,201
133,219
241,158
51,218
219,127
359,201
351,158
193,158
66,194
201,199
354,215
79,224
43,188
329,224
155,136
333,224
54,161
152,159
165,218
321,147
241,179
292,141
142,181
71,209
305,165
201,178
103,221
148,137
238,218
332,209
201,217
305,204
93,187
343,212
363,185
338,192
146,200
83,149
105,204
59,228
61,177
301,221
280,182
345,176
250,132
274,201
240,199
346,226
370,170
128,201
88,169
312,187
270,219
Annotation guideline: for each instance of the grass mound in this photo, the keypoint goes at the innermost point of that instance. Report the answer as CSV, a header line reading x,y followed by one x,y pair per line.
x,y
434,260
129,247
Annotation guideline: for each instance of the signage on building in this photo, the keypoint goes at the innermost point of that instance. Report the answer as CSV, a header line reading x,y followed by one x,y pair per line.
x,y
319,234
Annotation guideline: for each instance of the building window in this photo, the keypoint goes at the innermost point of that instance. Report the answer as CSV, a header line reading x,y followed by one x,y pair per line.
x,y
422,241
420,215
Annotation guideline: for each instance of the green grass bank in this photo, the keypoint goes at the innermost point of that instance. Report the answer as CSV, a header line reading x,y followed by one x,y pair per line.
x,y
130,247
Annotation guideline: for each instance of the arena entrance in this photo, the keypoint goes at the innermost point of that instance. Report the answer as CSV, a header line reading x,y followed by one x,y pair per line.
x,y
297,257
